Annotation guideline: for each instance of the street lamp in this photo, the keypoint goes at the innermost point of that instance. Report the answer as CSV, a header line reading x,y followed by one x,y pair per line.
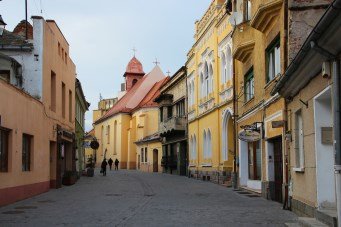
x,y
2,25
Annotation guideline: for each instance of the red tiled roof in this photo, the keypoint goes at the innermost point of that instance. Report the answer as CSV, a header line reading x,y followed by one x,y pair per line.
x,y
134,66
148,100
141,93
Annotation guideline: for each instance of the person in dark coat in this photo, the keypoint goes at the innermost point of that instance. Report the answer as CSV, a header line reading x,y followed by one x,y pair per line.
x,y
104,167
116,164
110,162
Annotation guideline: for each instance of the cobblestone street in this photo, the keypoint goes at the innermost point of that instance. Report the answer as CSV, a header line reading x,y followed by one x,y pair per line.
x,y
130,198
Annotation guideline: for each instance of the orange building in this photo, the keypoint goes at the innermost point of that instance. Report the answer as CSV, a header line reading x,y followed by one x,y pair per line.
x,y
37,93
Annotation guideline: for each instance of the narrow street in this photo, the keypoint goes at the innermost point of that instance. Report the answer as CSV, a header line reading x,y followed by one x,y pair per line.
x,y
131,198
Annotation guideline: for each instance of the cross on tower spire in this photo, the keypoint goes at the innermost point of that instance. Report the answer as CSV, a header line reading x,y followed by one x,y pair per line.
x,y
134,50
156,62
168,72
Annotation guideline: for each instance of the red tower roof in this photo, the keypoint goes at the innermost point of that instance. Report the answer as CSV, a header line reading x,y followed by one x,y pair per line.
x,y
134,66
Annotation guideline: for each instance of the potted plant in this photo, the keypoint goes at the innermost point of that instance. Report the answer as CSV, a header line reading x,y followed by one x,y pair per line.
x,y
69,178
90,168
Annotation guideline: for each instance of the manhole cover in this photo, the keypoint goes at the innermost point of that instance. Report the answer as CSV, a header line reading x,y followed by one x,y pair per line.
x,y
244,193
46,201
253,196
14,212
25,207
113,194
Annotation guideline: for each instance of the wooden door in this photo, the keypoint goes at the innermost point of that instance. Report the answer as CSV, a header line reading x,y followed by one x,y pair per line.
x,y
278,166
155,160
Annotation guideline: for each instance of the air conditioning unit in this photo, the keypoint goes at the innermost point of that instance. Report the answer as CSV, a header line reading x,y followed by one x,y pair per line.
x,y
326,73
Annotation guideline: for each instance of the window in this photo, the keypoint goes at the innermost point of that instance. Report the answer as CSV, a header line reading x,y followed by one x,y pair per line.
x,y
223,69
142,155
194,148
59,50
63,100
108,134
210,90
193,96
134,82
63,54
5,75
202,87
206,84
27,142
249,86
4,141
247,10
299,148
204,145
209,145
254,160
65,58
169,112
161,114
145,154
70,106
273,59
180,108
229,68
189,94
53,91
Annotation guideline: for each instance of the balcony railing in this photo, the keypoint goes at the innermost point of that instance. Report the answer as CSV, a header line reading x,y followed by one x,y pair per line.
x,y
173,124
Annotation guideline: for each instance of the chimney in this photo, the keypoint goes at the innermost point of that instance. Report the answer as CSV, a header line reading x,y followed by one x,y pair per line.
x,y
20,29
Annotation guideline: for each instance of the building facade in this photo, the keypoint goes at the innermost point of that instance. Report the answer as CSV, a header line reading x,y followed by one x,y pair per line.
x,y
172,103
81,106
116,130
313,98
210,97
43,126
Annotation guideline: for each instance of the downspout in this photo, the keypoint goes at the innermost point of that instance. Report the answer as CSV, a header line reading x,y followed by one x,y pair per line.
x,y
336,129
235,175
285,115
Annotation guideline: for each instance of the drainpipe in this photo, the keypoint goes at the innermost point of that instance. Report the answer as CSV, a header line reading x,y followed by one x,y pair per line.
x,y
286,158
235,102
336,129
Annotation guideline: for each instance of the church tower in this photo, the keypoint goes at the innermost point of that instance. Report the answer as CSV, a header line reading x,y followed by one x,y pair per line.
x,y
133,74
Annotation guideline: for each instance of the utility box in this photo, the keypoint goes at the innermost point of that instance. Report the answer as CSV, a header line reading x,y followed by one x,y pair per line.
x,y
327,135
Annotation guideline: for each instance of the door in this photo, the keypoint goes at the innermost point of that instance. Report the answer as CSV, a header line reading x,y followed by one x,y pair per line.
x,y
278,167
139,162
155,160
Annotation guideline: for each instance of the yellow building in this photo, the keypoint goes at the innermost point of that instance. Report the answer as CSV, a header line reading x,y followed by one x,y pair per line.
x,y
210,97
133,117
259,59
89,152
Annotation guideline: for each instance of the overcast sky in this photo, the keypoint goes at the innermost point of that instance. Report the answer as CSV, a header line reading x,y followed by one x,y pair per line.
x,y
103,33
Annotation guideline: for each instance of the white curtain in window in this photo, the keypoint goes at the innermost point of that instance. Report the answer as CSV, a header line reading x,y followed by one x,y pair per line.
x,y
277,60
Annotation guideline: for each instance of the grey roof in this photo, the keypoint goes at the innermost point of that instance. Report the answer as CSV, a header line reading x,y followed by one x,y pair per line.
x,y
9,40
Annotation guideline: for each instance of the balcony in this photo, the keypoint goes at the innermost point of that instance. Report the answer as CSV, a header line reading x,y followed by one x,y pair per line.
x,y
244,42
266,14
172,125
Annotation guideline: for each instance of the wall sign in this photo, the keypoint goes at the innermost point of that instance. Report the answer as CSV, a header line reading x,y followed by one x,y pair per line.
x,y
249,136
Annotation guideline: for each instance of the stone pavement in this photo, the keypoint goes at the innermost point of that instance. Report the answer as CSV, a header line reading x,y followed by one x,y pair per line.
x,y
131,198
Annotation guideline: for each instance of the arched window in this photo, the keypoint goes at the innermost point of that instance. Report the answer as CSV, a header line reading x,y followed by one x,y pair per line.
x,y
202,86
193,95
204,145
108,134
209,144
194,147
206,86
223,68
229,69
134,82
115,138
211,79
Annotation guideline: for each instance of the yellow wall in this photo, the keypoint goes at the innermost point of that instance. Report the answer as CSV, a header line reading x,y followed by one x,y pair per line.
x,y
151,146
211,33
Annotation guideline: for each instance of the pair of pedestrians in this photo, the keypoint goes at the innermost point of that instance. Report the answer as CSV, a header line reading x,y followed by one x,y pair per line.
x,y
110,162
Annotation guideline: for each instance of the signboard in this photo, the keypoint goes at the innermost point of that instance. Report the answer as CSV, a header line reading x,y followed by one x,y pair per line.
x,y
277,124
249,136
94,145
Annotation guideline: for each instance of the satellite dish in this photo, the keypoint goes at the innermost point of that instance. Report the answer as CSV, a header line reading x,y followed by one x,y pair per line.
x,y
236,18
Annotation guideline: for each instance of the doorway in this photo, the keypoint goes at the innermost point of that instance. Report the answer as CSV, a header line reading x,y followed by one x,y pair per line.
x,y
155,161
324,152
53,164
278,169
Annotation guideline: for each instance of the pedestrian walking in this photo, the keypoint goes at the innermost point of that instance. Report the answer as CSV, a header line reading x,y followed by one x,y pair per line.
x,y
104,167
116,164
110,162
